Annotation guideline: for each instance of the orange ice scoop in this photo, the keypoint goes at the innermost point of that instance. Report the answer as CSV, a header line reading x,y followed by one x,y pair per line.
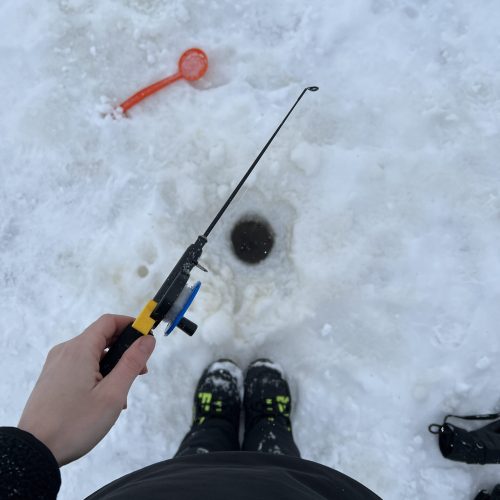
x,y
193,64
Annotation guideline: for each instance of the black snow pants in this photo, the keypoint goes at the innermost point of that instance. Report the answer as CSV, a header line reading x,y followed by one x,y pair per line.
x,y
209,465
220,435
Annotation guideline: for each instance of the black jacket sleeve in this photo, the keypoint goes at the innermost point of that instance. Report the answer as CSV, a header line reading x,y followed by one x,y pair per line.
x,y
28,470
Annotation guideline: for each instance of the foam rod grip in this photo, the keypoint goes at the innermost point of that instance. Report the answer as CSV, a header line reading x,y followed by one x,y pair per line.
x,y
122,343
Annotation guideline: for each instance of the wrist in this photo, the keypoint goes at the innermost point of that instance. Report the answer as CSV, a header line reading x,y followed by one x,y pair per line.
x,y
40,435
35,441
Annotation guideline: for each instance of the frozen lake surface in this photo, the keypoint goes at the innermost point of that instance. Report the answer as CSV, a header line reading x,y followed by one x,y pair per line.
x,y
381,296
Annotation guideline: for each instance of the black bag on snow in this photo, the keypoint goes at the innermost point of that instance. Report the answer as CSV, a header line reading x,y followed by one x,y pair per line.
x,y
484,495
481,446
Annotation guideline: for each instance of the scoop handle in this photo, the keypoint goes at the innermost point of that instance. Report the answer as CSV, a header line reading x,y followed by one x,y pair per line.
x,y
147,91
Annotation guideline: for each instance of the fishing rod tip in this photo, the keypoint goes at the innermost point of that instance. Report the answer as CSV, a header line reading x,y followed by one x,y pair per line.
x,y
312,89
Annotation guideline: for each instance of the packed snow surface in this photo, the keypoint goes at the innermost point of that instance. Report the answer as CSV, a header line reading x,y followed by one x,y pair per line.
x,y
380,299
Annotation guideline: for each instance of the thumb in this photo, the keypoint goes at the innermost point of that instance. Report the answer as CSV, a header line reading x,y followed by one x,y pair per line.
x,y
131,364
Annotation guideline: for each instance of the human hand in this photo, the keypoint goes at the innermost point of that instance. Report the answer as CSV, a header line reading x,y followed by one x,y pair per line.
x,y
72,407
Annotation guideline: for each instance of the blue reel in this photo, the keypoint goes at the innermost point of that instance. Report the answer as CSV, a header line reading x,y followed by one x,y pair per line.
x,y
179,309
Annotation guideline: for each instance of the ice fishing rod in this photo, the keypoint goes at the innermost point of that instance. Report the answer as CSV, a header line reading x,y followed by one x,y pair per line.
x,y
174,297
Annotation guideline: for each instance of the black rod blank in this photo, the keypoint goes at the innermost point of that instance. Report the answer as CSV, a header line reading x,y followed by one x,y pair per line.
x,y
252,166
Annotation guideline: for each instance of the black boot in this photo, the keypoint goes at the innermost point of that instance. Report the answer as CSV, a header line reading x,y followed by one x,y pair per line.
x,y
268,403
216,411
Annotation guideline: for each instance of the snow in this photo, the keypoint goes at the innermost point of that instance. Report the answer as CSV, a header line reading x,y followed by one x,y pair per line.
x,y
380,298
268,364
229,366
234,371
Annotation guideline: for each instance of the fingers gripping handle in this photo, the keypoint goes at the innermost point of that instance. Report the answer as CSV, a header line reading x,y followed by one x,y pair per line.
x,y
116,351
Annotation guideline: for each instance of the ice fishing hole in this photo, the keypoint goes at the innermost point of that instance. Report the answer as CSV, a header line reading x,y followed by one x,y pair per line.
x,y
252,238
142,271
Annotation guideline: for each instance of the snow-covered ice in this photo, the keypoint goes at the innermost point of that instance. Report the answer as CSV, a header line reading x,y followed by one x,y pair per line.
x,y
380,297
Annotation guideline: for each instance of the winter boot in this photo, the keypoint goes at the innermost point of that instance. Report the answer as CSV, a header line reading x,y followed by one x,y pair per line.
x,y
218,393
216,410
267,405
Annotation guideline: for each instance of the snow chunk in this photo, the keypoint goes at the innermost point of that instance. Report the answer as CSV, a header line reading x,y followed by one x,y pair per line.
x,y
306,157
483,363
462,388
270,364
326,330
233,369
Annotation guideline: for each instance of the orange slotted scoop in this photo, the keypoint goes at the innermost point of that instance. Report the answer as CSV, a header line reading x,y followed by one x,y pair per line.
x,y
193,64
